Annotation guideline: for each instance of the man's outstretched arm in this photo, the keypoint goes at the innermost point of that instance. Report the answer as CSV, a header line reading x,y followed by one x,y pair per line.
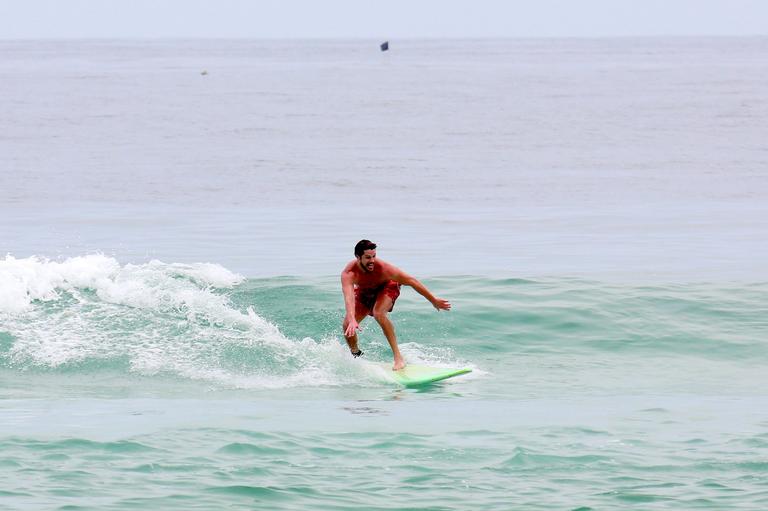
x,y
408,280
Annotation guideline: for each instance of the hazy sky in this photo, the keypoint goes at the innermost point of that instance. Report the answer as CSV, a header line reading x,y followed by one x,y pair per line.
x,y
21,19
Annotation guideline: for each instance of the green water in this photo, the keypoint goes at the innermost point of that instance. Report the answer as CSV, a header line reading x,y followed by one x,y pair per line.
x,y
185,387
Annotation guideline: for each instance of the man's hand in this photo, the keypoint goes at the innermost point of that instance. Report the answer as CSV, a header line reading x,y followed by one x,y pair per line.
x,y
352,327
441,304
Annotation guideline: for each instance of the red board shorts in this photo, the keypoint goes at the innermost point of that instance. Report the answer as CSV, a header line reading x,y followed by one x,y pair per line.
x,y
365,299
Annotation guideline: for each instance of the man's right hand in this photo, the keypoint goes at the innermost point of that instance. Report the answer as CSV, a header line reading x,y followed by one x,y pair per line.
x,y
352,327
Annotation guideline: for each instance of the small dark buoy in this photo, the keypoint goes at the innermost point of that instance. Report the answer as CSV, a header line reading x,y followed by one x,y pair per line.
x,y
384,46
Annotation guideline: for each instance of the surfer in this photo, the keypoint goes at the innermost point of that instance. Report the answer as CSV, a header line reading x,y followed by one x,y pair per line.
x,y
370,288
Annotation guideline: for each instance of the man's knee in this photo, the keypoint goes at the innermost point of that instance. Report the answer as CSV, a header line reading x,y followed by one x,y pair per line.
x,y
380,315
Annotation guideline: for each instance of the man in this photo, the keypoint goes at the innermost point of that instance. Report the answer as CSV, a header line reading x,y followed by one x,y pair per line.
x,y
370,287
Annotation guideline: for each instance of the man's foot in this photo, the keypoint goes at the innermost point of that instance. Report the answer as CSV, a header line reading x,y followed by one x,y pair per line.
x,y
357,353
399,364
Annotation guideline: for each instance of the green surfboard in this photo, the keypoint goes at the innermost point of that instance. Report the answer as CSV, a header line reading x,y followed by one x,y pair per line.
x,y
417,375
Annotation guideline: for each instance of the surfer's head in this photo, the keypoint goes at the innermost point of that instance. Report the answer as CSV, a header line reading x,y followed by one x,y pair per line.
x,y
364,245
365,251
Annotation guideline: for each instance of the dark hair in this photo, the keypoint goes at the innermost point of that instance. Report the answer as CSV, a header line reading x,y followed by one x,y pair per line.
x,y
362,246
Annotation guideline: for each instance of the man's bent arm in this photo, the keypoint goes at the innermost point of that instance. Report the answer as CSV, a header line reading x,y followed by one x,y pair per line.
x,y
348,289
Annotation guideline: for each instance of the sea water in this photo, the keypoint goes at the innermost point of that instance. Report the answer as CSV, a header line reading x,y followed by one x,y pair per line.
x,y
175,216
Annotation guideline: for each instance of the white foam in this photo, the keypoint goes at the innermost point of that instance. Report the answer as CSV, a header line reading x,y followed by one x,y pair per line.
x,y
209,274
23,281
78,331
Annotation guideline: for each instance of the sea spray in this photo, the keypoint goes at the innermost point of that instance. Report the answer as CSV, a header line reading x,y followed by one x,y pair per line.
x,y
91,313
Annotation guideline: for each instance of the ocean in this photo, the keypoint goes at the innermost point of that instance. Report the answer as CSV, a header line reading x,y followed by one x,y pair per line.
x,y
175,215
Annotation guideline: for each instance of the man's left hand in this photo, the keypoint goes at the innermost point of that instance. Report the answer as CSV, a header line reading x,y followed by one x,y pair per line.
x,y
441,304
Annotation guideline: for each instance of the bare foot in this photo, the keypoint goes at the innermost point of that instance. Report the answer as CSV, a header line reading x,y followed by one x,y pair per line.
x,y
399,363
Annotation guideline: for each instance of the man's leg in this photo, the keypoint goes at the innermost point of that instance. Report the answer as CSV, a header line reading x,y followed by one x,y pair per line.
x,y
352,340
381,315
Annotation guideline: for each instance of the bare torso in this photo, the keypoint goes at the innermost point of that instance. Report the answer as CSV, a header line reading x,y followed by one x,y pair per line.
x,y
382,273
